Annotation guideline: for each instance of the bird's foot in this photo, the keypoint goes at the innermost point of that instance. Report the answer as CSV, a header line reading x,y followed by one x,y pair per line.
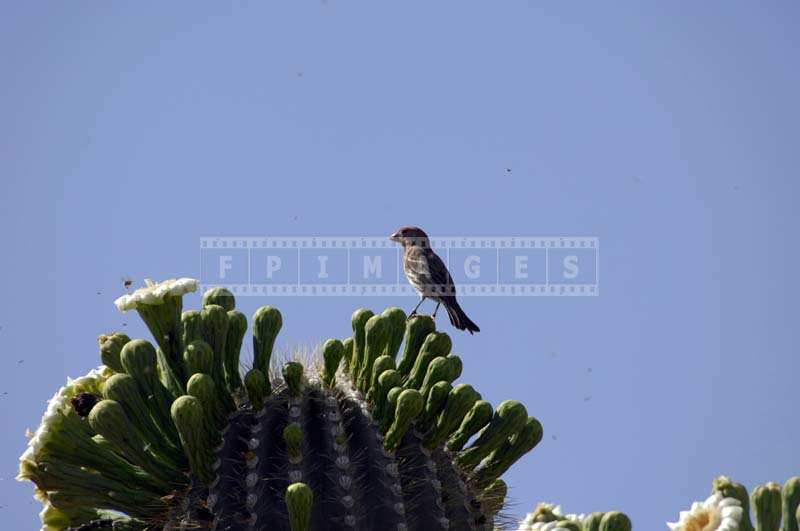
x,y
412,314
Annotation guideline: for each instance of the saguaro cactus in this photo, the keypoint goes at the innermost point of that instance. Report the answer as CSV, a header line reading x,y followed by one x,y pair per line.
x,y
367,444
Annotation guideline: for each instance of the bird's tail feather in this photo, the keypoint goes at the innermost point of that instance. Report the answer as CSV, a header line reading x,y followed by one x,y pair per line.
x,y
459,319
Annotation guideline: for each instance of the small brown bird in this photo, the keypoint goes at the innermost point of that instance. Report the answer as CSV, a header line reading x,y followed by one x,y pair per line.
x,y
430,277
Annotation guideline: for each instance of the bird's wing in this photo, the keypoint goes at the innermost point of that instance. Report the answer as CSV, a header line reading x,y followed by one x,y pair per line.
x,y
428,272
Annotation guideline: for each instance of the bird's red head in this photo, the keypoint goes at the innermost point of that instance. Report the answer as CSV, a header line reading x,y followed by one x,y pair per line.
x,y
410,236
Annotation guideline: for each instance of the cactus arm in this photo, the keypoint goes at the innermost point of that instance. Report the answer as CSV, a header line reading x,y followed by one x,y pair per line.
x,y
198,358
347,355
258,388
615,521
376,334
460,401
409,406
397,323
110,347
437,344
443,369
766,501
417,329
191,327
108,419
293,376
434,404
219,297
201,386
237,327
187,413
508,453
122,388
359,322
214,320
267,322
382,364
386,381
332,352
478,416
790,496
138,357
299,501
509,418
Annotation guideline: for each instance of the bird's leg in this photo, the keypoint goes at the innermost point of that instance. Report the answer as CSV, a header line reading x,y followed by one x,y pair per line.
x,y
414,311
438,303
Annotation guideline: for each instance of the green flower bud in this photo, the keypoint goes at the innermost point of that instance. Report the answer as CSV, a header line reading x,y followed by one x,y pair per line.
x,y
359,322
332,352
459,402
766,500
409,405
389,409
110,347
434,404
417,329
493,498
569,525
219,297
382,364
615,521
123,389
293,437
347,355
456,365
258,387
293,376
440,370
187,414
791,499
437,344
215,333
138,358
109,420
167,376
731,489
509,452
508,419
198,358
299,501
376,333
202,387
478,416
397,325
592,522
267,322
237,327
386,381
191,326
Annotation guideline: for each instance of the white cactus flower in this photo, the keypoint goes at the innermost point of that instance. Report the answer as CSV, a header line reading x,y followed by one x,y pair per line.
x,y
716,513
154,293
56,406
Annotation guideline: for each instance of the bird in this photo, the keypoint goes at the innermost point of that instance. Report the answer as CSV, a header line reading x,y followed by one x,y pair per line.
x,y
428,275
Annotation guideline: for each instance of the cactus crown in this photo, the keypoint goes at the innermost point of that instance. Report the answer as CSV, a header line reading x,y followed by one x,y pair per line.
x,y
172,436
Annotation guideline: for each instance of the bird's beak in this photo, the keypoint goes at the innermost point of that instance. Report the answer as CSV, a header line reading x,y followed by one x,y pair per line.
x,y
395,237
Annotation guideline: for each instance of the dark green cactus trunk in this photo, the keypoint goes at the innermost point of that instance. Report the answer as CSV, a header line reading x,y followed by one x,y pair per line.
x,y
357,483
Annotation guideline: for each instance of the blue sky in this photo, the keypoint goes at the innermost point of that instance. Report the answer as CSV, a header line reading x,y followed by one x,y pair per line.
x,y
667,130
